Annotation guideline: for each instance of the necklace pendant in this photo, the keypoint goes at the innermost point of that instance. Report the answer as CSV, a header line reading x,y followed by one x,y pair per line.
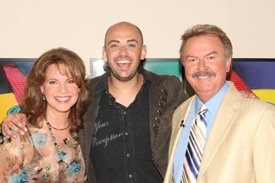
x,y
61,153
62,156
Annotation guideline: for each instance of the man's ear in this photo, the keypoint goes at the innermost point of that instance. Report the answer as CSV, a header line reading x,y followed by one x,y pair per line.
x,y
104,54
228,64
143,52
181,60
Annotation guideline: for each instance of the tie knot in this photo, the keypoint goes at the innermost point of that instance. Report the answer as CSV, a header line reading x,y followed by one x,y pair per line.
x,y
203,110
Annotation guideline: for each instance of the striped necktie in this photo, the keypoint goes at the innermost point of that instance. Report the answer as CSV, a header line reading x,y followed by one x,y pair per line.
x,y
194,152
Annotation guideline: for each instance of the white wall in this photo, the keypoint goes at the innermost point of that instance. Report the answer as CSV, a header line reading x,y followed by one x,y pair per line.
x,y
30,27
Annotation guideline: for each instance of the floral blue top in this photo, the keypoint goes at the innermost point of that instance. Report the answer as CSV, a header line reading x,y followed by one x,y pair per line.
x,y
35,158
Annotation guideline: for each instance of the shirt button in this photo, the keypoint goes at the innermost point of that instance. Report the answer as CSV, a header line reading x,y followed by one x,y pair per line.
x,y
124,112
130,175
126,133
128,155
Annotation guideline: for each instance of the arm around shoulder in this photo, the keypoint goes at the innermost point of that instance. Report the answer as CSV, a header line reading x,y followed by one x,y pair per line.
x,y
14,123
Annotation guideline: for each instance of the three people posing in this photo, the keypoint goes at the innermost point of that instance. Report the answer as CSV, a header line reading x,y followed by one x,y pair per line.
x,y
127,124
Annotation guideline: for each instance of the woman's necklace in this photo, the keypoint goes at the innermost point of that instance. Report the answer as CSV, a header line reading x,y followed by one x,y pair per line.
x,y
59,129
73,165
61,155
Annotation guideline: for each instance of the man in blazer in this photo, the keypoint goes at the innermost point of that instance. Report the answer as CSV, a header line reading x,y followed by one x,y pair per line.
x,y
240,132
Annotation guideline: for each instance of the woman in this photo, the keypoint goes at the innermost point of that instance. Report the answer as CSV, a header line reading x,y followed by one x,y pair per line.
x,y
55,98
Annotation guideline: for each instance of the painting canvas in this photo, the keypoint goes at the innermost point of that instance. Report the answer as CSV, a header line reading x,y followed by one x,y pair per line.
x,y
159,66
13,73
258,74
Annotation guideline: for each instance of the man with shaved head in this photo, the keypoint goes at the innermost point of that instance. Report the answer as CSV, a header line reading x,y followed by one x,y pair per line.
x,y
130,113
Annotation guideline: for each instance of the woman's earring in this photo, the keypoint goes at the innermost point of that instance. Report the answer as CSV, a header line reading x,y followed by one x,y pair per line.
x,y
43,97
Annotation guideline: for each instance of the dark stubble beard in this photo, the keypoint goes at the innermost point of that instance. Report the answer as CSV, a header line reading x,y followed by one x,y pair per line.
x,y
116,75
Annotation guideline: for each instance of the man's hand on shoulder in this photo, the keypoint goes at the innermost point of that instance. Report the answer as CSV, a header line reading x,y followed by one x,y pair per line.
x,y
247,94
14,124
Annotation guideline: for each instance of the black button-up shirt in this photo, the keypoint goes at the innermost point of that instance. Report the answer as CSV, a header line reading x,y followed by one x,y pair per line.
x,y
121,150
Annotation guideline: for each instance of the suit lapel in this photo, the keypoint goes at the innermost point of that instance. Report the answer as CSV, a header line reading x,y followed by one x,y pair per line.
x,y
223,121
179,115
179,122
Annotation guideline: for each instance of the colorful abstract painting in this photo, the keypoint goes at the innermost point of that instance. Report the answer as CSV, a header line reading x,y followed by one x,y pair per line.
x,y
12,78
259,75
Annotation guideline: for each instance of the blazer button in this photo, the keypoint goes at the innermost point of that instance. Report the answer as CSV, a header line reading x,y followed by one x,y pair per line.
x,y
160,104
157,119
163,98
158,112
164,91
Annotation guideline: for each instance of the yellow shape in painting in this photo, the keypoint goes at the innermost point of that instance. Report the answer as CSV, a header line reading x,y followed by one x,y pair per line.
x,y
267,95
7,100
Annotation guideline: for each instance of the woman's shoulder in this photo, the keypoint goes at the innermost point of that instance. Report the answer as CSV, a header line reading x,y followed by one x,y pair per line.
x,y
38,137
22,145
